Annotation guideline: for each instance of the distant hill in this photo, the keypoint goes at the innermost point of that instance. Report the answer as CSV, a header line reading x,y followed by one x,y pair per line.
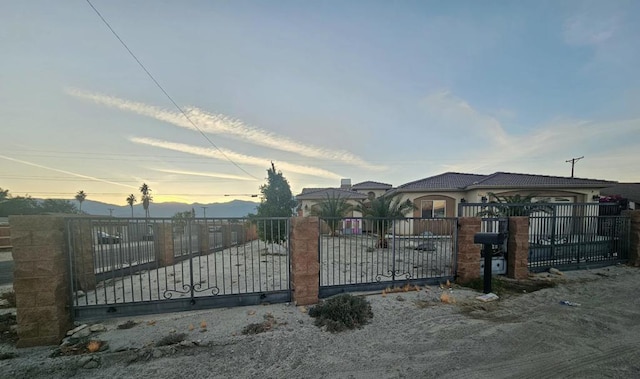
x,y
235,208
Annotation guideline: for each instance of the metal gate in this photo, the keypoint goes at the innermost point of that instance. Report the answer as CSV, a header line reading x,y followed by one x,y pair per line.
x,y
137,266
362,254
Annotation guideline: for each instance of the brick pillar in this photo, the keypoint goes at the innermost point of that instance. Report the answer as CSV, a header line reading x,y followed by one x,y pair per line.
x,y
163,243
305,268
41,279
518,248
203,237
634,237
468,252
5,237
83,266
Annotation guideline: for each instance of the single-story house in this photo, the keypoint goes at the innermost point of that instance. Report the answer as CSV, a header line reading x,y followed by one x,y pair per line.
x,y
628,191
440,195
309,197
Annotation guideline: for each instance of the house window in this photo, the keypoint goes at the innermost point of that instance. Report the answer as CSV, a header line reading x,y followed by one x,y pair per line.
x,y
371,195
433,208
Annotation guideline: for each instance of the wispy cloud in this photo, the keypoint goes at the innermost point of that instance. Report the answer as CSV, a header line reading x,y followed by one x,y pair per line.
x,y
205,174
454,110
67,172
584,29
230,127
553,141
236,157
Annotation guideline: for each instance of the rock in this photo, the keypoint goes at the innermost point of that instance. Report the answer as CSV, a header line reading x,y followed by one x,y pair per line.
x,y
555,271
89,361
186,344
91,364
157,353
81,333
400,298
97,328
76,329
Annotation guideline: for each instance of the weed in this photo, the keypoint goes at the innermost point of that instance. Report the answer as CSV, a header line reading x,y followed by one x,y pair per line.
x,y
171,339
260,327
127,325
342,312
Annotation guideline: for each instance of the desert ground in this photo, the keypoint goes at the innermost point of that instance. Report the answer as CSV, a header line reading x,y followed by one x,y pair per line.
x,y
412,334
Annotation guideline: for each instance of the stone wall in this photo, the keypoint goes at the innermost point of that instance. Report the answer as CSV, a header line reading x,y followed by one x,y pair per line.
x,y
41,279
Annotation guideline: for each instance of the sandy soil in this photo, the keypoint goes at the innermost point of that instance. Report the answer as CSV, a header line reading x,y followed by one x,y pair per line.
x,y
412,334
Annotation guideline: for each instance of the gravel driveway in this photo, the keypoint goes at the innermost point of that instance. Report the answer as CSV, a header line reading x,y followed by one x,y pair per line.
x,y
412,335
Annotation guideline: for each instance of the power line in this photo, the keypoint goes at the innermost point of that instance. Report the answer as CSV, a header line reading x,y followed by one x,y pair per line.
x,y
573,163
166,93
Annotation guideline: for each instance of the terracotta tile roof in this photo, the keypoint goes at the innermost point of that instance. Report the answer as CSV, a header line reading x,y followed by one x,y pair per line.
x,y
630,191
454,181
507,179
371,185
322,193
447,181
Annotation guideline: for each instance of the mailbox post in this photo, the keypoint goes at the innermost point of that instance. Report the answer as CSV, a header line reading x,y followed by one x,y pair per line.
x,y
487,240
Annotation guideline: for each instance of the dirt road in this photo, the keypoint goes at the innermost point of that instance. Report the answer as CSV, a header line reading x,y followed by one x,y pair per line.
x,y
412,335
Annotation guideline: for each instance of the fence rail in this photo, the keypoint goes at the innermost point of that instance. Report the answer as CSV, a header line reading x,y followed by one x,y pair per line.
x,y
565,235
370,254
141,265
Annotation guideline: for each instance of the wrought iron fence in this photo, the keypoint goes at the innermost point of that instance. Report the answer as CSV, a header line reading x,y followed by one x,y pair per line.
x,y
564,235
144,265
374,253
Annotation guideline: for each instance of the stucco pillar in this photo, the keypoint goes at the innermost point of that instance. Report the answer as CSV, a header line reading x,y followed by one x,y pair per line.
x,y
468,252
41,279
305,268
518,248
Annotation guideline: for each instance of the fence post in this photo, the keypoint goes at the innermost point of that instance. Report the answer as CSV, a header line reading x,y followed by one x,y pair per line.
x,y
163,240
634,237
83,265
468,265
41,279
305,268
518,248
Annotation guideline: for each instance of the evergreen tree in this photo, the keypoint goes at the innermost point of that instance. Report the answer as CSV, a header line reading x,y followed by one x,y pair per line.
x,y
277,201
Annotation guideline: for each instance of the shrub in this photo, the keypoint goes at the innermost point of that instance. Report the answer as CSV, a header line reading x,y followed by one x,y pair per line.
x,y
10,297
342,312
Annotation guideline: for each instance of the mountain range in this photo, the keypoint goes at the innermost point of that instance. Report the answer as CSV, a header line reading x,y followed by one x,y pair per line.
x,y
235,208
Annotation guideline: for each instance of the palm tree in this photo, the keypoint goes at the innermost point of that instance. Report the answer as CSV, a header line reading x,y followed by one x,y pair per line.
x,y
131,199
146,198
332,210
80,196
382,211
512,205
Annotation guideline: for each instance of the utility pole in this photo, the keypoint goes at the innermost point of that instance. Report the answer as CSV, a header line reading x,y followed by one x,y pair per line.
x,y
204,212
111,212
573,163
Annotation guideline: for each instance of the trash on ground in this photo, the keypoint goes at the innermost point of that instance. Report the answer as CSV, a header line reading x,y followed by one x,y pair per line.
x,y
488,297
569,303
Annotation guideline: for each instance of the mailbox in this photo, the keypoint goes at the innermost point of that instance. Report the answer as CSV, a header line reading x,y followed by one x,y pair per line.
x,y
489,238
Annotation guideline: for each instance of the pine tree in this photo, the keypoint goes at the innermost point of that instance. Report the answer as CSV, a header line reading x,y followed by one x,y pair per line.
x,y
277,201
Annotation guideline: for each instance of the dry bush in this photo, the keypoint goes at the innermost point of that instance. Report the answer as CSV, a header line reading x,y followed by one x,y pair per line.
x,y
342,312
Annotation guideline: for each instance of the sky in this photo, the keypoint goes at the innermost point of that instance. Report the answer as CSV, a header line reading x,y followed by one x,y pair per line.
x,y
388,91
